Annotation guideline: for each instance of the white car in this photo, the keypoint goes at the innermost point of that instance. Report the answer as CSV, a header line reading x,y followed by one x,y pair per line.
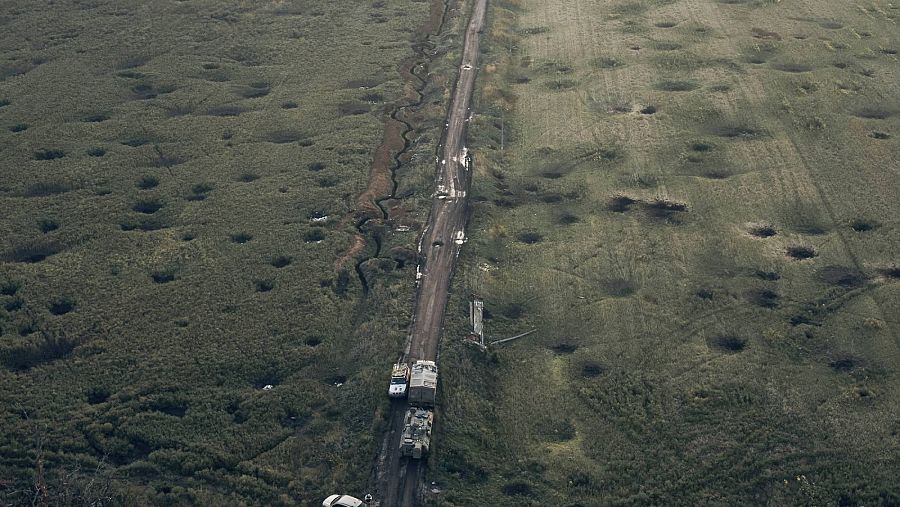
x,y
342,501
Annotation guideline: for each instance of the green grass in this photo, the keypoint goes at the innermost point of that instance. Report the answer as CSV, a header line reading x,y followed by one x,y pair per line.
x,y
160,261
715,325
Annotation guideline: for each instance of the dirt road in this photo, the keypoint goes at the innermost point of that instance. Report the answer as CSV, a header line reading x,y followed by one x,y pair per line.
x,y
400,479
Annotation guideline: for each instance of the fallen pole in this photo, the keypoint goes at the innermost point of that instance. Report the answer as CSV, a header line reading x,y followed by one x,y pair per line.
x,y
526,333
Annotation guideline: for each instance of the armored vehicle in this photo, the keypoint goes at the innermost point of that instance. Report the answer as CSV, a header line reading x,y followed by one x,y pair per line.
x,y
416,437
423,384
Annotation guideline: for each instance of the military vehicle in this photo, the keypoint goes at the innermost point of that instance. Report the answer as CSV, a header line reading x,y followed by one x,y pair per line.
x,y
423,384
416,438
399,380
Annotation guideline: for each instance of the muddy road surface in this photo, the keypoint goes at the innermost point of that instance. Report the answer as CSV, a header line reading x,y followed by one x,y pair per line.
x,y
400,480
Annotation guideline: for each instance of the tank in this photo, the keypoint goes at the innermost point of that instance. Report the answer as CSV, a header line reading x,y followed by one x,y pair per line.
x,y
423,384
399,380
416,438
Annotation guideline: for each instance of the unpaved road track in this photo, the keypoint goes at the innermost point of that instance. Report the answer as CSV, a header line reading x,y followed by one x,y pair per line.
x,y
400,479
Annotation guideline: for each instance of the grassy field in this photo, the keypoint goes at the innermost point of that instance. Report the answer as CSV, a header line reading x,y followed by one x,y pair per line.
x,y
176,189
695,203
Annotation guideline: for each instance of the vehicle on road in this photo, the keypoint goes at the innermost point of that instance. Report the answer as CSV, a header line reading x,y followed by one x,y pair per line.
x,y
399,380
343,501
416,438
423,384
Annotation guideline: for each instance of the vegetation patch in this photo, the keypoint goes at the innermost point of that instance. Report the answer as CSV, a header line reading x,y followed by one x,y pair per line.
x,y
247,177
880,135
517,489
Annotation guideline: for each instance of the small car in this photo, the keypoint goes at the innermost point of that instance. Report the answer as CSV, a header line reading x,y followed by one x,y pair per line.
x,y
343,501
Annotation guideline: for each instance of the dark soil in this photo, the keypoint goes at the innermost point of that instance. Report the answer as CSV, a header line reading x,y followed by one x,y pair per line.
x,y
792,67
728,343
841,276
591,370
618,287
241,237
762,231
676,86
147,207
564,348
620,204
863,225
529,237
162,276
665,210
61,307
517,489
801,252
765,298
284,136
281,261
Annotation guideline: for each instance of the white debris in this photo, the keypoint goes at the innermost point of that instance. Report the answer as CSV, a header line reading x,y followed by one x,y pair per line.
x,y
268,387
